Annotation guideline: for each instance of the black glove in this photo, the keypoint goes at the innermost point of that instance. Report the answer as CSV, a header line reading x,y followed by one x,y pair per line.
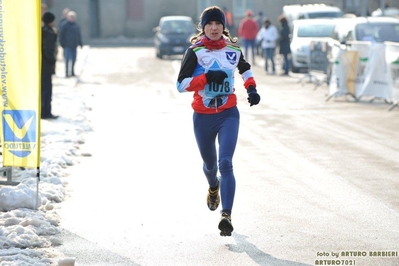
x,y
215,76
253,96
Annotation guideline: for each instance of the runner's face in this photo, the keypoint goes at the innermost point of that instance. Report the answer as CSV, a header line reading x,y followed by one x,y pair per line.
x,y
214,30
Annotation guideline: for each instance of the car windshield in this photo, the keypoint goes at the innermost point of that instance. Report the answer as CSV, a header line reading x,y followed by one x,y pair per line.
x,y
378,32
325,14
315,30
177,26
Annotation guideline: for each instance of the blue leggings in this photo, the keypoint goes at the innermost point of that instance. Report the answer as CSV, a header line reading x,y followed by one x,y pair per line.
x,y
224,126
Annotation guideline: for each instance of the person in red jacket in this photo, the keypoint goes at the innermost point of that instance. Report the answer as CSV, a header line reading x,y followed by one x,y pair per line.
x,y
248,30
229,20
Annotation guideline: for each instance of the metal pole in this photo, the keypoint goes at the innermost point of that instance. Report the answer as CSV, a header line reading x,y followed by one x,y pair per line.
x,y
38,204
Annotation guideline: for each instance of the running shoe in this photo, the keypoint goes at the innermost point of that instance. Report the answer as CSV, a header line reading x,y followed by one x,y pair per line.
x,y
225,225
213,198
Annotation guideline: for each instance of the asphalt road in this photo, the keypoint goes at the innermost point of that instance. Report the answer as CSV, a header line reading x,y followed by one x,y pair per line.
x,y
317,180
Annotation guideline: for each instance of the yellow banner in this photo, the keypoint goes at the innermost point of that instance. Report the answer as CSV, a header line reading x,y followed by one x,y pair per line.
x,y
20,67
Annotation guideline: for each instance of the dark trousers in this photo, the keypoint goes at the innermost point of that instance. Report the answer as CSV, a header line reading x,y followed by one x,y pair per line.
x,y
286,64
47,93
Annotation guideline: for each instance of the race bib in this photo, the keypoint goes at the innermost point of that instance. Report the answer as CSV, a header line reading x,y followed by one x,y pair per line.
x,y
213,89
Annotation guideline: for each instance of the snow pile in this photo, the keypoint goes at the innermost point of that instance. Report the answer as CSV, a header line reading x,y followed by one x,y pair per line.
x,y
27,233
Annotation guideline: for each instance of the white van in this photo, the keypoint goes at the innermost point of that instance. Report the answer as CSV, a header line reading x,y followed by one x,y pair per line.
x,y
295,12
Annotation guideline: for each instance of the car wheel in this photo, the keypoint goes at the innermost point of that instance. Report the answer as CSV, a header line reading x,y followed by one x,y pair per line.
x,y
295,69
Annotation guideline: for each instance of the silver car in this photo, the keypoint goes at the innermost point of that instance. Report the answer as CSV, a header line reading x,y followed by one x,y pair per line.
x,y
304,31
373,29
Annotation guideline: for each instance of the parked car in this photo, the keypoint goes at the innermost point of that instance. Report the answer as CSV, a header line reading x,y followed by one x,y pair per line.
x,y
304,31
374,29
172,35
387,12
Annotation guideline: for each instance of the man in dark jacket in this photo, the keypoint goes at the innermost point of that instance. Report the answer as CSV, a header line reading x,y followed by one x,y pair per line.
x,y
285,43
49,41
70,39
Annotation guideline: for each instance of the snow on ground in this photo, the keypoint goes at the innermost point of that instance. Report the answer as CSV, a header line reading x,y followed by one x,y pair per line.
x,y
28,234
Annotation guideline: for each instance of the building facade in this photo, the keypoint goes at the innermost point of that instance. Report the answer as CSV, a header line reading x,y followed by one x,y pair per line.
x,y
137,18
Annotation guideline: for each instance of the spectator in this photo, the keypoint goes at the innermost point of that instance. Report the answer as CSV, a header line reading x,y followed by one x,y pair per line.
x,y
259,19
44,9
49,40
64,19
248,30
285,42
267,37
229,20
70,39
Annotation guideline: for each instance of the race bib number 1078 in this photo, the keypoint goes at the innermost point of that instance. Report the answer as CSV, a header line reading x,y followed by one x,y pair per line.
x,y
225,88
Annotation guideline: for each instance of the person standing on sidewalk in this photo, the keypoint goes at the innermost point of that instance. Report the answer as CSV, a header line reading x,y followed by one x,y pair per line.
x,y
259,19
64,18
70,39
229,20
207,69
268,36
285,43
49,40
247,31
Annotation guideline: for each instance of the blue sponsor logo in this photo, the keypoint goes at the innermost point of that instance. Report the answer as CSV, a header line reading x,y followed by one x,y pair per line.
x,y
231,57
19,131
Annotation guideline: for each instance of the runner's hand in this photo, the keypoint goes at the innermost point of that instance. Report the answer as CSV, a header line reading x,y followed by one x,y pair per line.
x,y
215,76
253,96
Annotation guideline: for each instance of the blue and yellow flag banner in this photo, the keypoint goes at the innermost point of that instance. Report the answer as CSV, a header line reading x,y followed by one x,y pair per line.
x,y
20,69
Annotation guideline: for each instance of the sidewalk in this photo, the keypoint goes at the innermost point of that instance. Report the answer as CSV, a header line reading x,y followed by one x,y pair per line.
x,y
120,41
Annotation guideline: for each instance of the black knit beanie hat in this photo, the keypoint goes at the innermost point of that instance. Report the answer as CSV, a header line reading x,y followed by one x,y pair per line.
x,y
48,17
213,14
